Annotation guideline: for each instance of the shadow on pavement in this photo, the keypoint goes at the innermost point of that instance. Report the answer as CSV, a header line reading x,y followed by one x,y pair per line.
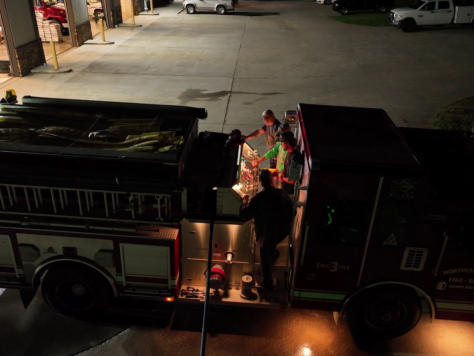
x,y
252,13
228,320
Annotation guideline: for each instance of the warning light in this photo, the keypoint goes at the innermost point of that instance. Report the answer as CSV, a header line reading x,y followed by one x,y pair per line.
x,y
306,351
169,299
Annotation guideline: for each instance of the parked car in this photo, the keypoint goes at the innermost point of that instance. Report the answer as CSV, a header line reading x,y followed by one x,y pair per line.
x,y
438,12
346,7
53,10
219,6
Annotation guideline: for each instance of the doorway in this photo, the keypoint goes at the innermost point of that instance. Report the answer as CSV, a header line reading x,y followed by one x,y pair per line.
x,y
95,10
52,22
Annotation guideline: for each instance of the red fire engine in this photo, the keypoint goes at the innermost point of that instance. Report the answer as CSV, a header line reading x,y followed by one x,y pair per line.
x,y
101,200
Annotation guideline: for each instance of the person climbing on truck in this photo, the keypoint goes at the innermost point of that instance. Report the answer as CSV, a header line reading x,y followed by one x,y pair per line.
x,y
271,130
279,152
272,214
292,165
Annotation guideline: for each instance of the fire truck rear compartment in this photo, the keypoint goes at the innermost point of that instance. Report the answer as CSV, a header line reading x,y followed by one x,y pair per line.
x,y
238,240
219,174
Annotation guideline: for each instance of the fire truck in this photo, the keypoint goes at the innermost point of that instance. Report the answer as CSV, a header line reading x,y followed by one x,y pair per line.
x,y
103,201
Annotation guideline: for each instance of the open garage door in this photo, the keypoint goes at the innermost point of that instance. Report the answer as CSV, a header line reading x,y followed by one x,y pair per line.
x,y
23,48
53,25
78,20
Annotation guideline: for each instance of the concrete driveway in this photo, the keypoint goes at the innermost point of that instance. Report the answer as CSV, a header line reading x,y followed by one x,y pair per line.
x,y
268,55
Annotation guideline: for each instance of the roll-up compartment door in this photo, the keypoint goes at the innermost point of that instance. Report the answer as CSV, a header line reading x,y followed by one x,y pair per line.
x,y
145,264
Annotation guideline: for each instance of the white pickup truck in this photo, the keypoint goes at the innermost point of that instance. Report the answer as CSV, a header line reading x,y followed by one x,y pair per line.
x,y
437,12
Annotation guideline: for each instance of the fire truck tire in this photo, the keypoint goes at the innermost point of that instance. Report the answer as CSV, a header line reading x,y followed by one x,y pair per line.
x,y
384,312
76,290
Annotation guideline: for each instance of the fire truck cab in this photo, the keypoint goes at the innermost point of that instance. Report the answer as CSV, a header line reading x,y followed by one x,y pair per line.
x,y
100,201
386,222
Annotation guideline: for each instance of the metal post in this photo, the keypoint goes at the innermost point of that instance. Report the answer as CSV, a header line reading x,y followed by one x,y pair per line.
x,y
206,300
151,7
35,196
55,56
79,202
61,200
47,69
53,202
27,198
133,13
106,205
102,30
9,195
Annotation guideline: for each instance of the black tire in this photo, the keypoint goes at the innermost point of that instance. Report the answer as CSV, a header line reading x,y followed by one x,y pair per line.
x,y
76,290
408,25
345,11
221,10
190,9
384,312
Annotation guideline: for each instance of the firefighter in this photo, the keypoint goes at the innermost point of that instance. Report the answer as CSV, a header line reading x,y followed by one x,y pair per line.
x,y
280,152
272,214
293,163
271,130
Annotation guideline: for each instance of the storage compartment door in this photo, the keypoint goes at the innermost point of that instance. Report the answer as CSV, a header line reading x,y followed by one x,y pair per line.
x,y
146,265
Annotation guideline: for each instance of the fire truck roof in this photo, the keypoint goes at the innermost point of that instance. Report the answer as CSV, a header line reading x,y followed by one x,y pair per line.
x,y
339,137
93,139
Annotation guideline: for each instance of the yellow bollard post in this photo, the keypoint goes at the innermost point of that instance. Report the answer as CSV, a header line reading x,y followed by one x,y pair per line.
x,y
55,57
102,30
133,13
45,68
151,7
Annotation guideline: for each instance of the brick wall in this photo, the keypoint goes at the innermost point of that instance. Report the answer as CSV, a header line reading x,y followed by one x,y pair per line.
x,y
29,56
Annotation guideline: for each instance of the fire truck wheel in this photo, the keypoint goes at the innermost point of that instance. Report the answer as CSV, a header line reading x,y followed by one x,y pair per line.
x,y
384,312
76,290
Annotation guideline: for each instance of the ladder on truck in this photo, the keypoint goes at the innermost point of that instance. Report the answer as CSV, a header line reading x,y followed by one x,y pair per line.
x,y
98,204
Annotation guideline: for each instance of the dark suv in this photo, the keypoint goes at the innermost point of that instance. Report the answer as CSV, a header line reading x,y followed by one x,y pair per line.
x,y
345,7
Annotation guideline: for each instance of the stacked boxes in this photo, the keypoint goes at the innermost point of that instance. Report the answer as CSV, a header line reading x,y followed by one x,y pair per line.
x,y
49,30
